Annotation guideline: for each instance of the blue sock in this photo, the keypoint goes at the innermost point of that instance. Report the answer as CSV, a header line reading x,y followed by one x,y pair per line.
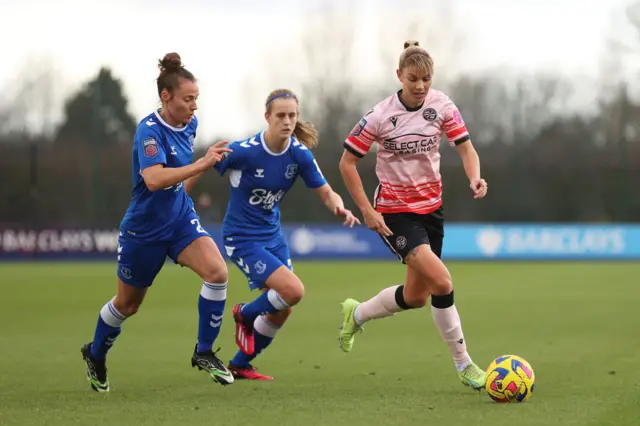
x,y
107,329
263,334
268,302
210,307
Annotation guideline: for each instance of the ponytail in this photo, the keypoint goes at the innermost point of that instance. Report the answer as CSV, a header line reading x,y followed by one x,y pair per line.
x,y
306,133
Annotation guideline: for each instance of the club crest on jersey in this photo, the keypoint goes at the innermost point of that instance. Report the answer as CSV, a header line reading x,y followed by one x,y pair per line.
x,y
150,147
292,169
359,127
429,114
191,139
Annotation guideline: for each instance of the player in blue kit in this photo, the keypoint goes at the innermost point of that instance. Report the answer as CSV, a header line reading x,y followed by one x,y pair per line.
x,y
161,221
261,171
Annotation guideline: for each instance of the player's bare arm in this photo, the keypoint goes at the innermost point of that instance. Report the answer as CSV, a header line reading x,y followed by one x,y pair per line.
x,y
335,204
216,152
471,163
158,177
351,177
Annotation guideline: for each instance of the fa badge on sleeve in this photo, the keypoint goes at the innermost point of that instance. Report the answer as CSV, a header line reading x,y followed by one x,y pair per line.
x,y
150,147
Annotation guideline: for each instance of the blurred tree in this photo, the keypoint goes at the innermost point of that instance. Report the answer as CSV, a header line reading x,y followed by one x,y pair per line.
x,y
96,116
28,105
512,109
98,113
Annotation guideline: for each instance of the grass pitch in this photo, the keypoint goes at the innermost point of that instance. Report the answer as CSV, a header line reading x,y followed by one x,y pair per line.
x,y
576,323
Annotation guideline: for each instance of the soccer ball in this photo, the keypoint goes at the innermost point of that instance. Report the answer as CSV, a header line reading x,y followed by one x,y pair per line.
x,y
510,378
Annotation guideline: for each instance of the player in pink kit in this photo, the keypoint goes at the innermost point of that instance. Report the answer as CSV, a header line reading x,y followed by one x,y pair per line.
x,y
407,209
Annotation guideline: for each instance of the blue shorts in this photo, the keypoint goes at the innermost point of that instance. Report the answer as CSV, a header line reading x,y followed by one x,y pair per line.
x,y
140,261
258,259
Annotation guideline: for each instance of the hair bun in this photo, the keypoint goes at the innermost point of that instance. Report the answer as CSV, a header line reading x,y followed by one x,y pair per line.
x,y
410,43
170,63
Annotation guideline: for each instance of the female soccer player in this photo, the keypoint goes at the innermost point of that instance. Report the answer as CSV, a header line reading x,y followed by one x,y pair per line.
x,y
407,209
261,171
161,221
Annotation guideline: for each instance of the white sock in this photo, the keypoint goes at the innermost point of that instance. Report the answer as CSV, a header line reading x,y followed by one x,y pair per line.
x,y
111,316
450,327
263,326
214,292
379,306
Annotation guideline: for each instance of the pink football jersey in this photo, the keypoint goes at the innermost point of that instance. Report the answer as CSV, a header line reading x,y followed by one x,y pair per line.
x,y
408,158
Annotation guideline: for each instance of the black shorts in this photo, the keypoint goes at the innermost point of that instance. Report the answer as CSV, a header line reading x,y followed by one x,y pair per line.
x,y
411,230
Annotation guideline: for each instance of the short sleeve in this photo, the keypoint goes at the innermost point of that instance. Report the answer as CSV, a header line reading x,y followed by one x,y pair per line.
x,y
310,170
454,126
233,160
363,135
149,148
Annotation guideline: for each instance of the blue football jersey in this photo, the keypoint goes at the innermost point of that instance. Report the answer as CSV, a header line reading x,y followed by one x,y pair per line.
x,y
153,215
259,180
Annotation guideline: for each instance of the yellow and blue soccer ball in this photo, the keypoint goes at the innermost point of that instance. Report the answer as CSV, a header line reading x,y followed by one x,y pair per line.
x,y
510,378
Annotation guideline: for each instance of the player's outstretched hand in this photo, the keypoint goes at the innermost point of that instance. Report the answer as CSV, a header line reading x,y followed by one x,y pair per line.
x,y
214,154
375,222
479,188
349,218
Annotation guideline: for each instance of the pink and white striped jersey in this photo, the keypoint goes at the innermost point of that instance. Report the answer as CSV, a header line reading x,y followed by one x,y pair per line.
x,y
408,158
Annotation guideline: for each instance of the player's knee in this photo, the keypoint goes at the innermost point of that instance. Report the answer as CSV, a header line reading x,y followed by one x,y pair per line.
x,y
415,298
216,272
442,284
293,293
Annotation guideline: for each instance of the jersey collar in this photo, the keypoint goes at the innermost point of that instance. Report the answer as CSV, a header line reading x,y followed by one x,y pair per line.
x,y
266,148
408,108
164,123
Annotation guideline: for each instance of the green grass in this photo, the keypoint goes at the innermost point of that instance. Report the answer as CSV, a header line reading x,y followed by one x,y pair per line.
x,y
575,323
